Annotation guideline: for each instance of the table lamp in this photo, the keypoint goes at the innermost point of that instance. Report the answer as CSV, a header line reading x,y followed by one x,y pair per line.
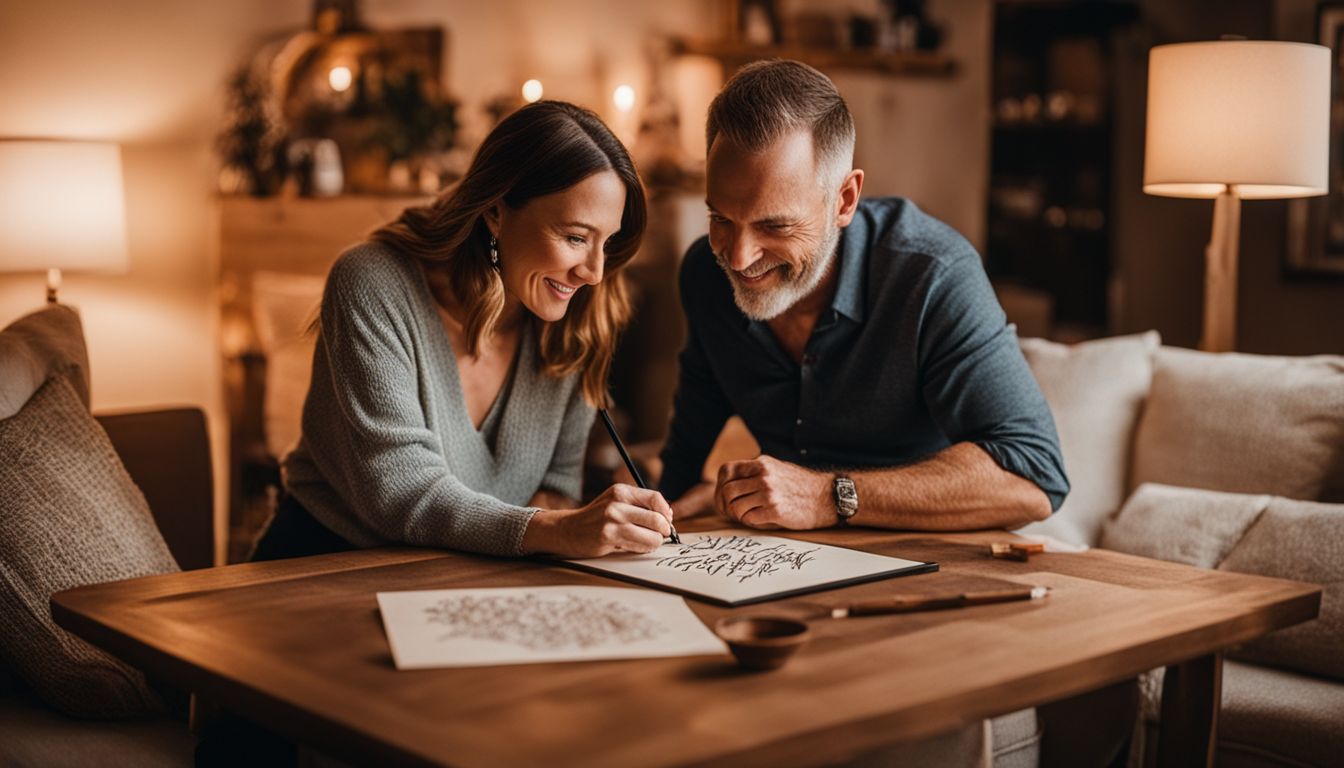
x,y
1233,120
61,207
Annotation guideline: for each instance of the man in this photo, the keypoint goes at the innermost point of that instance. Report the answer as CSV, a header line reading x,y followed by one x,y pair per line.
x,y
861,343
859,340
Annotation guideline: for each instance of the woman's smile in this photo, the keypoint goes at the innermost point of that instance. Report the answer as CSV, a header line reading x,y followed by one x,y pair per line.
x,y
559,290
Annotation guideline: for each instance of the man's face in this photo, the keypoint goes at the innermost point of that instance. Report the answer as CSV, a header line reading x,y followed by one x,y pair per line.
x,y
772,222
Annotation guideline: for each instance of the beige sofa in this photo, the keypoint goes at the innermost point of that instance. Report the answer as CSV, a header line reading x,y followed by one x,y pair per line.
x,y
1219,461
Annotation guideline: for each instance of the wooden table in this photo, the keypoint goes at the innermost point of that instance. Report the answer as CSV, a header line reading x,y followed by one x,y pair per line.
x,y
298,646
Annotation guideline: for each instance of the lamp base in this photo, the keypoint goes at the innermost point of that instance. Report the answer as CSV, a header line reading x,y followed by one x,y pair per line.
x,y
53,284
1220,275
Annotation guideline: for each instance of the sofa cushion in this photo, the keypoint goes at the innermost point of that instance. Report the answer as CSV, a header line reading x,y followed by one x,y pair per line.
x,y
1265,535
34,736
965,747
1182,525
1016,739
1304,541
1269,717
36,346
1273,717
1243,423
1096,391
69,516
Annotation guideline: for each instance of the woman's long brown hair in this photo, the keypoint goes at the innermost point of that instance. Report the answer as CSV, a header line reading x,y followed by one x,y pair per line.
x,y
541,149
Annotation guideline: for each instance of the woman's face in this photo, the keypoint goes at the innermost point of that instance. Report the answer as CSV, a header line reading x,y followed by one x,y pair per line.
x,y
555,245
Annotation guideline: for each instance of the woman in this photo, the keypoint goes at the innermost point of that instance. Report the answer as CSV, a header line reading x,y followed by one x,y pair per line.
x,y
461,353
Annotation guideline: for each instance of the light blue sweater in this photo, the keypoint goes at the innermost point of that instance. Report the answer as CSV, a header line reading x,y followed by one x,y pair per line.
x,y
389,453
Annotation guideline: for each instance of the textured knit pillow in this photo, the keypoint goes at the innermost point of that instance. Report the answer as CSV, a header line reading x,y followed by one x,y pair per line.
x,y
1244,424
37,345
69,516
1182,525
1096,391
1303,541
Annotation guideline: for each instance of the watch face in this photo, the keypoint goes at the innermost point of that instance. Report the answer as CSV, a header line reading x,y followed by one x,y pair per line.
x,y
846,497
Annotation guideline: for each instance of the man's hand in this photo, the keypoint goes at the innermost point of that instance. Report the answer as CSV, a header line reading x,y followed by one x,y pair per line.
x,y
765,492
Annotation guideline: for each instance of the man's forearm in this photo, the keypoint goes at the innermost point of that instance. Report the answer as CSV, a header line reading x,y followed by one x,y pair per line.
x,y
959,488
697,500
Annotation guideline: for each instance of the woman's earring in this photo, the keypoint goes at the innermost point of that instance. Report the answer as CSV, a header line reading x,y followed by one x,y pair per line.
x,y
494,252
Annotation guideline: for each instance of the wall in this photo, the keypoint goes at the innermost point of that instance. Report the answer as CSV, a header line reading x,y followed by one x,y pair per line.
x,y
928,139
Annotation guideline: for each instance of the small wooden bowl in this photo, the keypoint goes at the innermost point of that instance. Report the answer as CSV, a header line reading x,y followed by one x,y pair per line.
x,y
762,642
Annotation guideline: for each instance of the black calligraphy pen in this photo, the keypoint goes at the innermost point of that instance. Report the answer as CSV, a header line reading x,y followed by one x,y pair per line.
x,y
629,463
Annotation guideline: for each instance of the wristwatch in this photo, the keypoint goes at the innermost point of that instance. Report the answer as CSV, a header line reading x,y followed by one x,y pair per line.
x,y
846,499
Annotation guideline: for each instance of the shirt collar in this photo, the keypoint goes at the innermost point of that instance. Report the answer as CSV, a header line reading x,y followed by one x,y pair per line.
x,y
853,257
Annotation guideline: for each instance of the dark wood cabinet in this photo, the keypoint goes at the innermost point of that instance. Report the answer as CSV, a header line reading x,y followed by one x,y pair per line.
x,y
1051,155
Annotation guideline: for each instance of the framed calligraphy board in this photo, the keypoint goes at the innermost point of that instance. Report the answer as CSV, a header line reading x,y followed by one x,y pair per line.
x,y
733,568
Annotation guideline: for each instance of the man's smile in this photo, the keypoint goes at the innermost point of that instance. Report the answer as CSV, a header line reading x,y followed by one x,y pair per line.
x,y
755,275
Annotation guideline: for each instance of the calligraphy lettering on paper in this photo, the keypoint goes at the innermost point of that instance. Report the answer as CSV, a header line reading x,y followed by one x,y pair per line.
x,y
737,557
539,623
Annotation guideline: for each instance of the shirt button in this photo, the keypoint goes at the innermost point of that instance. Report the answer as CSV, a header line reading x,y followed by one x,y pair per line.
x,y
803,451
798,422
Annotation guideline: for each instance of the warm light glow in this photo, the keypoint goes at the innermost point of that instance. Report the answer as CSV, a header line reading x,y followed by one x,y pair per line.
x,y
340,79
1250,114
624,98
532,90
61,206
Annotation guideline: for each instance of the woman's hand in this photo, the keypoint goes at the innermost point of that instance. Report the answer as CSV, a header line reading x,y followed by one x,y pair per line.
x,y
623,519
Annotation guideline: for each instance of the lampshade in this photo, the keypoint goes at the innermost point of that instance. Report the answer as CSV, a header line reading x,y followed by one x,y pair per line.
x,y
61,206
1249,113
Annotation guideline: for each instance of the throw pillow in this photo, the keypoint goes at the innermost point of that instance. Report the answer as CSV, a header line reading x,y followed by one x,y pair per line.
x,y
37,345
69,516
1096,391
1182,525
1304,541
1243,424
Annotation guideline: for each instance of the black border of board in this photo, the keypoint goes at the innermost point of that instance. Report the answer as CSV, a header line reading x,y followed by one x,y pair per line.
x,y
909,570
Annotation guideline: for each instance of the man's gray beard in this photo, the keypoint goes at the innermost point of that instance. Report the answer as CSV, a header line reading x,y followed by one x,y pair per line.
x,y
765,304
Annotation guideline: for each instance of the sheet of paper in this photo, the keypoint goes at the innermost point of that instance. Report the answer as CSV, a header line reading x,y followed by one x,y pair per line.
x,y
740,567
525,625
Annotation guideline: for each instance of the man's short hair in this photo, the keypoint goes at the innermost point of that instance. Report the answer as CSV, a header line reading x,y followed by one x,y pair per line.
x,y
766,100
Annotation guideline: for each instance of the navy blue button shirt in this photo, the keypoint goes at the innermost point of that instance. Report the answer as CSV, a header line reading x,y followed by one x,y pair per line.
x,y
913,355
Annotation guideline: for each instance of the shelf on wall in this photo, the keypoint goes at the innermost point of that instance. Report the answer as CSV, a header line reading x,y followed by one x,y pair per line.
x,y
896,63
302,234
